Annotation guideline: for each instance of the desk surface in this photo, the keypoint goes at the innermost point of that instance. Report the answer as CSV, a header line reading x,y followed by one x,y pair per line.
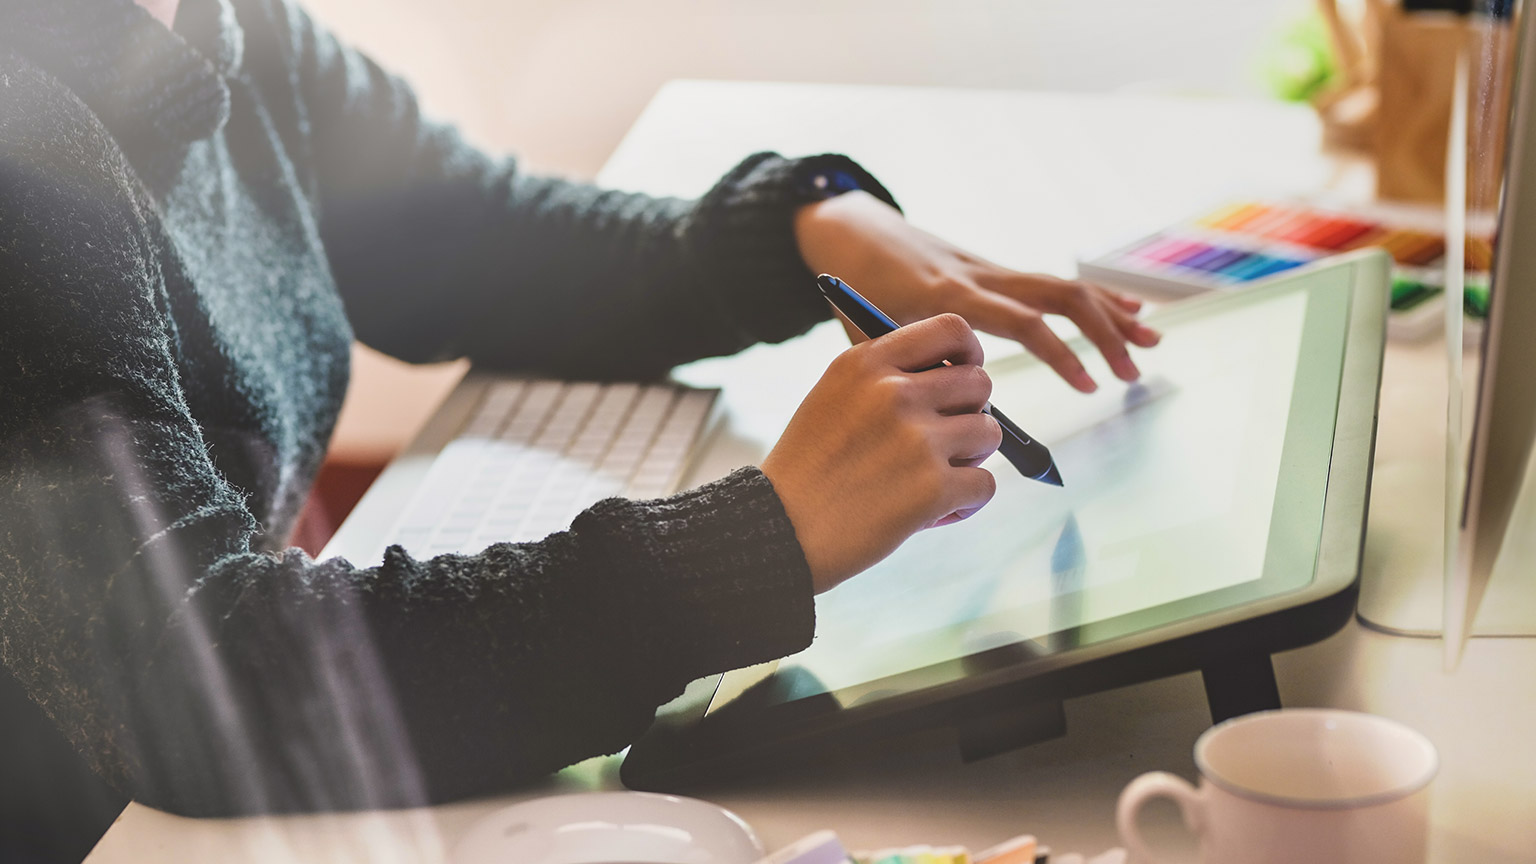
x,y
1029,180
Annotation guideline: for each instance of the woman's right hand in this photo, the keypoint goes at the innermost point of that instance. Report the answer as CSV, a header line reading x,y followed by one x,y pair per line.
x,y
879,451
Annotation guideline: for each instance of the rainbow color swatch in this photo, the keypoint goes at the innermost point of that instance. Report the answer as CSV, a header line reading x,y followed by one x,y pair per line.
x,y
1243,243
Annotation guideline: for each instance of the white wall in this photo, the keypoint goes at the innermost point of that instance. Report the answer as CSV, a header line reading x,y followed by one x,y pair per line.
x,y
559,81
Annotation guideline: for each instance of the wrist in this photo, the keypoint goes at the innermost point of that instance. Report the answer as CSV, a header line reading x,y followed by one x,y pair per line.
x,y
835,189
825,572
828,236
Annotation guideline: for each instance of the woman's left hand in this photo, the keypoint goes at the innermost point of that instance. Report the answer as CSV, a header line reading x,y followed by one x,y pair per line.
x,y
912,275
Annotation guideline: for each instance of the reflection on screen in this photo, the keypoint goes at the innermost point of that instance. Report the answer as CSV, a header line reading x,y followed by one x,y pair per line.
x,y
1170,484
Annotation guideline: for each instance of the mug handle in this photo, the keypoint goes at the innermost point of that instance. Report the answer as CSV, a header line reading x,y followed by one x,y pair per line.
x,y
1157,784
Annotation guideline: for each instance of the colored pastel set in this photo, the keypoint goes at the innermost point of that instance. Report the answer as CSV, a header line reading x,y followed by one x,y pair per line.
x,y
1244,243
914,855
823,847
1320,231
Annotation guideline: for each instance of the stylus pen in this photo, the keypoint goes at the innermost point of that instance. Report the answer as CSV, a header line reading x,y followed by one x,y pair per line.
x,y
1031,457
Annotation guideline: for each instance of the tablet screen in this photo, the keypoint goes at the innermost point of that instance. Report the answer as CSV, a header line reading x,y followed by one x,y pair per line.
x,y
1199,487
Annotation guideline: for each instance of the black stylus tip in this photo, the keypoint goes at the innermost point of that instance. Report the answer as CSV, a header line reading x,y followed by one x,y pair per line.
x,y
1051,476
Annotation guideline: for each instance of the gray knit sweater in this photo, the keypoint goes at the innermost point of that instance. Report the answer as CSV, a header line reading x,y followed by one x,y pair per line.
x,y
193,226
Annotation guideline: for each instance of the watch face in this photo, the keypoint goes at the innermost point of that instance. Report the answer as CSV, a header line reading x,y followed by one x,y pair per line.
x,y
829,183
824,178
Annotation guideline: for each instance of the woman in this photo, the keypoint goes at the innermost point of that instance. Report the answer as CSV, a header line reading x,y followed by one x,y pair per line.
x,y
195,223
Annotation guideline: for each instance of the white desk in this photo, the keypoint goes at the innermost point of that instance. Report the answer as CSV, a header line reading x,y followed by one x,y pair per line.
x,y
1028,180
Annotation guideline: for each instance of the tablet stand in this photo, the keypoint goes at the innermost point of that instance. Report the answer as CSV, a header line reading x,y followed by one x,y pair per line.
x,y
1240,684
1236,685
997,732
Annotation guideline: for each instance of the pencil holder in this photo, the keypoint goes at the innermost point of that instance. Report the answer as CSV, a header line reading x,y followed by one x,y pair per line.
x,y
1397,71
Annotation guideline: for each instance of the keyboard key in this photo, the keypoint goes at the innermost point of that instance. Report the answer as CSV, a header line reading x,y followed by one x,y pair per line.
x,y
535,453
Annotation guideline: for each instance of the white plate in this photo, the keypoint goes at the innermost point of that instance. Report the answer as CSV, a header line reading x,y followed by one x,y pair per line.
x,y
609,828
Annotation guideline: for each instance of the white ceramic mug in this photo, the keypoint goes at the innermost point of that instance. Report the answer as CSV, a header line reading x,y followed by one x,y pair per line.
x,y
1313,785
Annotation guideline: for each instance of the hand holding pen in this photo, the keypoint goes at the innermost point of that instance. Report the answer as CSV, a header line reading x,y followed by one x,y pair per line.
x,y
1029,456
888,443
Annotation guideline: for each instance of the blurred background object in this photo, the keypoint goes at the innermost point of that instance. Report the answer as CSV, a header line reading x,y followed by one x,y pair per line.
x,y
1381,79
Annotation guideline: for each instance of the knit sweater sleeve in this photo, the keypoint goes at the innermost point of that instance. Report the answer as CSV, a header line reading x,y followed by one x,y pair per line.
x,y
205,678
442,251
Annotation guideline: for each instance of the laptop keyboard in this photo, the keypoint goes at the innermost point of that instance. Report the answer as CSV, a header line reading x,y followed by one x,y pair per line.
x,y
535,453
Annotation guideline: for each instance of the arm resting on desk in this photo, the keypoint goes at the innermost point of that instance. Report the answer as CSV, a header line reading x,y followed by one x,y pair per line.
x,y
207,679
